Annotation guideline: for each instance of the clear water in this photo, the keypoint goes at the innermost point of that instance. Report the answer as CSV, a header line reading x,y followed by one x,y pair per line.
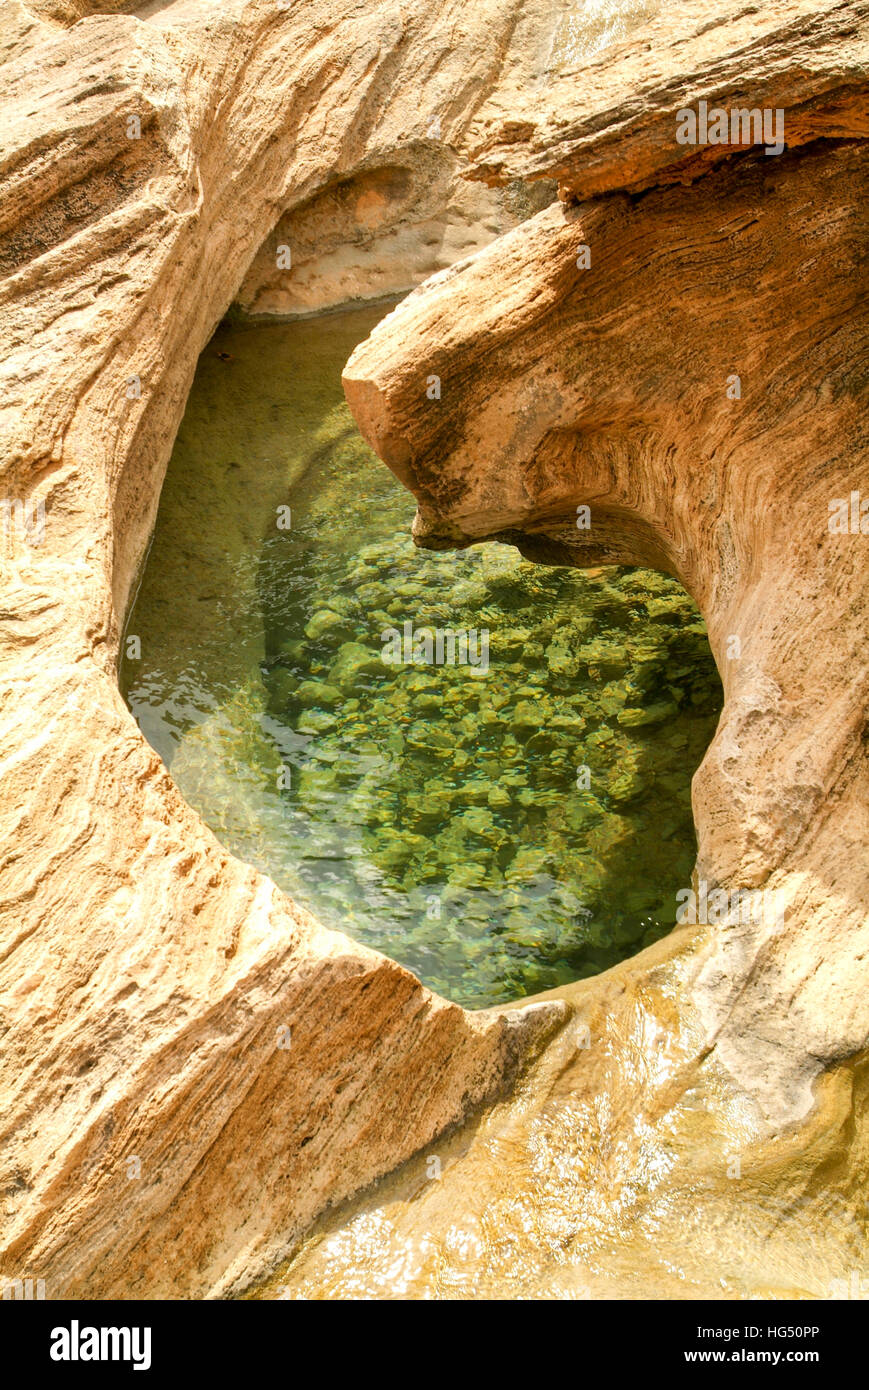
x,y
429,811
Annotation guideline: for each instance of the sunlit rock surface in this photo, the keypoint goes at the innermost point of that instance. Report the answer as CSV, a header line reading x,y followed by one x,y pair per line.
x,y
625,1166
158,1136
689,365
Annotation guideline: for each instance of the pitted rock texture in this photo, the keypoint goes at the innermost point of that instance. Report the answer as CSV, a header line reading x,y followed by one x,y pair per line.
x,y
159,1138
697,378
382,232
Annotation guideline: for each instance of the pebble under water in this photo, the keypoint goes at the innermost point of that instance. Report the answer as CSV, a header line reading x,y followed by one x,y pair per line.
x,y
499,833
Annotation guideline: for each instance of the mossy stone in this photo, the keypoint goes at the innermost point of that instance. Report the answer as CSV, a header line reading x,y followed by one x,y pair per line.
x,y
498,797
318,693
652,714
314,721
353,662
527,715
326,621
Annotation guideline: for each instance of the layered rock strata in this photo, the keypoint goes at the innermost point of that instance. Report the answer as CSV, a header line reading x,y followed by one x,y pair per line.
x,y
683,354
191,1066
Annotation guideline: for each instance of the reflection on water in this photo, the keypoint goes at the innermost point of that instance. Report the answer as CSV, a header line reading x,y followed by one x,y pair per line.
x,y
502,832
624,1167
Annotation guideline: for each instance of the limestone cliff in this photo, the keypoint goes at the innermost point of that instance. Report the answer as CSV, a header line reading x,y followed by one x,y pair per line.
x,y
159,1137
680,345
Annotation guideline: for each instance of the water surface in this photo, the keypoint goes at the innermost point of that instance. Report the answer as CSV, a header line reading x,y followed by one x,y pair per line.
x,y
499,833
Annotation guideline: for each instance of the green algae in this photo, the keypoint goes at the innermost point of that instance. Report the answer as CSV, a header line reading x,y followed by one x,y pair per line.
x,y
500,833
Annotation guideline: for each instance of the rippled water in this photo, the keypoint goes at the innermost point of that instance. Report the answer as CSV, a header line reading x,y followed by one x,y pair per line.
x,y
623,1167
501,833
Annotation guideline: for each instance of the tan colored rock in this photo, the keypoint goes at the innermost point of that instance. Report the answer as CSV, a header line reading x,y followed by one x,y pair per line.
x,y
626,1165
610,122
383,232
156,1138
614,387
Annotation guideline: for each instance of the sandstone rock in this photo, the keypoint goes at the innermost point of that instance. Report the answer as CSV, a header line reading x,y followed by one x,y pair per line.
x,y
700,387
158,1138
610,122
624,1168
383,231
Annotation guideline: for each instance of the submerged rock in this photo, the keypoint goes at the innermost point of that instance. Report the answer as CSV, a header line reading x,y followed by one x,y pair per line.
x,y
318,693
353,662
652,714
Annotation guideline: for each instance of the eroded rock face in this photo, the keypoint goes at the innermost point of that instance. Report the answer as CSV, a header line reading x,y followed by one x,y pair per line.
x,y
697,379
626,1165
160,1136
382,232
609,122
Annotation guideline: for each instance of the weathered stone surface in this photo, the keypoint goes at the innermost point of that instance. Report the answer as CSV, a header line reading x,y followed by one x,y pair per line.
x,y
144,973
609,123
613,386
156,1140
383,232
625,1166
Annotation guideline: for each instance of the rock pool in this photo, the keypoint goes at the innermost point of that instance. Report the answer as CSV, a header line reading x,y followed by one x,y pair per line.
x,y
500,833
